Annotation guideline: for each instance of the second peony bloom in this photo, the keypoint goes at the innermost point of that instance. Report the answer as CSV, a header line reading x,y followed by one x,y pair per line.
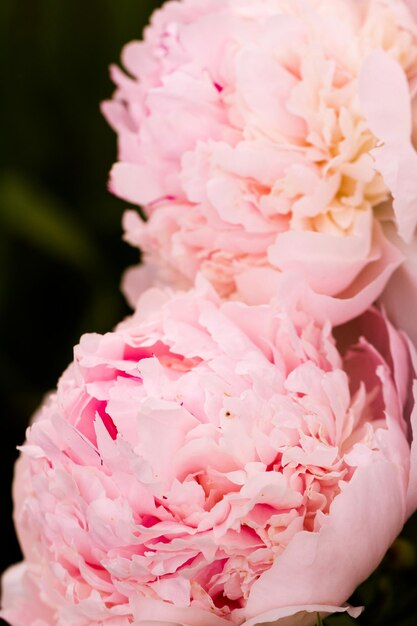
x,y
252,134
212,463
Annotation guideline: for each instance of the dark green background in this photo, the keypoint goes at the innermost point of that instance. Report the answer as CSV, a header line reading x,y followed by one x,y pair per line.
x,y
61,254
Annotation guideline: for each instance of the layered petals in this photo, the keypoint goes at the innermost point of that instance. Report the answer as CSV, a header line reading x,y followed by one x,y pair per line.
x,y
196,461
252,136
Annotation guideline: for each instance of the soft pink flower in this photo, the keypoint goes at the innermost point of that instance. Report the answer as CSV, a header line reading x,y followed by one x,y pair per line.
x,y
400,296
250,133
212,463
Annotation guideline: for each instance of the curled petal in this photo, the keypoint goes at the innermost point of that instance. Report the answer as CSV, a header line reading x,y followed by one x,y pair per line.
x,y
383,80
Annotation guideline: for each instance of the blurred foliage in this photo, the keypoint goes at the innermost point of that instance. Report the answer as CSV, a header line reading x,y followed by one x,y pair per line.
x,y
61,254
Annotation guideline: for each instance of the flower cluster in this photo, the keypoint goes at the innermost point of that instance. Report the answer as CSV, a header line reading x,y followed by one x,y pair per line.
x,y
226,456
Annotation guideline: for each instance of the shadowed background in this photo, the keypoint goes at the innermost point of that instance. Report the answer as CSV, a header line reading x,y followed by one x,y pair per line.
x,y
61,254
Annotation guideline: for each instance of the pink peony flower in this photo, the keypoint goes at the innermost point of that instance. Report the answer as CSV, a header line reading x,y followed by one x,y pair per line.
x,y
249,132
212,463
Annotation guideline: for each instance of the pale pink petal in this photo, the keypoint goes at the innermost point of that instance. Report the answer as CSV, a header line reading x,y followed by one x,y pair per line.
x,y
257,285
134,184
117,116
136,280
382,80
268,102
322,563
329,264
148,609
412,7
400,295
300,615
21,601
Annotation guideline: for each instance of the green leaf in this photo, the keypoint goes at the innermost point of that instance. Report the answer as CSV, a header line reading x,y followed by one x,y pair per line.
x,y
319,620
44,222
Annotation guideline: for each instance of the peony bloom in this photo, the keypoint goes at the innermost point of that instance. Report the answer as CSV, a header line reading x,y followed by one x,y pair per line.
x,y
252,134
212,463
